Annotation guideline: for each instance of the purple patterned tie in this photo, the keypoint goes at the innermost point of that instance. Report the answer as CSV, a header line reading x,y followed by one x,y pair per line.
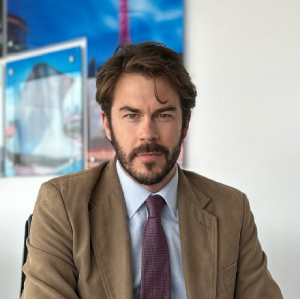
x,y
156,279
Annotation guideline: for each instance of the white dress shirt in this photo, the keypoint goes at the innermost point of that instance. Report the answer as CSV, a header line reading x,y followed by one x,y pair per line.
x,y
135,196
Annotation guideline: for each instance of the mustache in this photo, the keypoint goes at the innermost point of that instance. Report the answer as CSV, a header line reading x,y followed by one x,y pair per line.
x,y
148,148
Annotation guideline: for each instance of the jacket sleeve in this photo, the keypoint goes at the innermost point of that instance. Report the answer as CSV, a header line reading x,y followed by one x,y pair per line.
x,y
50,269
253,278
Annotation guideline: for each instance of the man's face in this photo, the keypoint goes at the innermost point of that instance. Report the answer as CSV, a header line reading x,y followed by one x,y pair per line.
x,y
145,133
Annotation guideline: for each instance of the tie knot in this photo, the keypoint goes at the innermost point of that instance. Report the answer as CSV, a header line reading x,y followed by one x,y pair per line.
x,y
154,205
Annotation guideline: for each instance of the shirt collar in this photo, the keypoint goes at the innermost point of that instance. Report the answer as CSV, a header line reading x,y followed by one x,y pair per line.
x,y
135,195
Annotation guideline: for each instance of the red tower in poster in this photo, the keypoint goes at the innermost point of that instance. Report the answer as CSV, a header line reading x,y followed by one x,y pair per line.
x,y
124,35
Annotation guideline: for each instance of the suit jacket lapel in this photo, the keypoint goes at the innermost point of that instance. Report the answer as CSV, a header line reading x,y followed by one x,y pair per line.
x,y
198,236
110,234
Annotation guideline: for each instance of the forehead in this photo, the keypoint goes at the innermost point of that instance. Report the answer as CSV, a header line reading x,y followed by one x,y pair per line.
x,y
137,89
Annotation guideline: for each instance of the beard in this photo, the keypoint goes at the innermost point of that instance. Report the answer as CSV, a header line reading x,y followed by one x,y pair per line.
x,y
150,177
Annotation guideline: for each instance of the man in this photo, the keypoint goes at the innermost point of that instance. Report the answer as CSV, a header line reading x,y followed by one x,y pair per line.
x,y
139,226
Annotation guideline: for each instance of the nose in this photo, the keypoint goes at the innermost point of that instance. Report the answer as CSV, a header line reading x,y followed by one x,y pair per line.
x,y
148,131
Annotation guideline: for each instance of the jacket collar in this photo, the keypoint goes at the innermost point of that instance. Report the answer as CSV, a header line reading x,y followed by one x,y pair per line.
x,y
190,191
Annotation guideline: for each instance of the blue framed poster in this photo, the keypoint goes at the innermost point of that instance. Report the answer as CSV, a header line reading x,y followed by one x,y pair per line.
x,y
44,113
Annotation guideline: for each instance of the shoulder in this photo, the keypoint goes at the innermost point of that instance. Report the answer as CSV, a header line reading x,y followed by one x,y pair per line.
x,y
222,198
74,189
80,178
209,186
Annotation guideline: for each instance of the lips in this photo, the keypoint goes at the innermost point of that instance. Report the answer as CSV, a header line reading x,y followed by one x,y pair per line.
x,y
149,157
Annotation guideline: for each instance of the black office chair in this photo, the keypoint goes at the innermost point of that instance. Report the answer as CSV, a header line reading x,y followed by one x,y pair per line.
x,y
25,250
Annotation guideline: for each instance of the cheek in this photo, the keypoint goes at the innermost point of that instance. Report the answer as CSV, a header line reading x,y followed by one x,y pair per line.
x,y
171,134
125,137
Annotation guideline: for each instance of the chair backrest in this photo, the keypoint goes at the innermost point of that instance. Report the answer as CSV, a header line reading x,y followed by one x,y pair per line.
x,y
25,250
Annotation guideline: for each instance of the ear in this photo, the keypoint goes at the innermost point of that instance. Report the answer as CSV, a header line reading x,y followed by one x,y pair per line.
x,y
185,130
106,125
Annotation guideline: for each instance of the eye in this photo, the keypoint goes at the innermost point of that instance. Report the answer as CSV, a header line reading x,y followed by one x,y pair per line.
x,y
163,116
131,116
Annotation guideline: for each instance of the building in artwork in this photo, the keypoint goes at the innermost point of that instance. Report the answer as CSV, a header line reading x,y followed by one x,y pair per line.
x,y
124,34
16,34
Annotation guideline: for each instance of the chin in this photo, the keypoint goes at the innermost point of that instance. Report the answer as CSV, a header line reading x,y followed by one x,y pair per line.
x,y
152,167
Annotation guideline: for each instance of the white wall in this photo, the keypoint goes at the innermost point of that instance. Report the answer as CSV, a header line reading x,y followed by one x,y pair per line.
x,y
17,197
244,58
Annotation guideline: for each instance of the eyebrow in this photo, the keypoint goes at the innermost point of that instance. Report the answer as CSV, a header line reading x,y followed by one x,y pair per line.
x,y
128,108
160,110
164,109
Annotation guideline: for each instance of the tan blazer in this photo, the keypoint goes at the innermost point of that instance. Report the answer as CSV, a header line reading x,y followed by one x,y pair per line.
x,y
79,245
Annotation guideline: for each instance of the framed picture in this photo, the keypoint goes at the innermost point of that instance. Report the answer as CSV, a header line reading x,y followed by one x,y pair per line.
x,y
44,110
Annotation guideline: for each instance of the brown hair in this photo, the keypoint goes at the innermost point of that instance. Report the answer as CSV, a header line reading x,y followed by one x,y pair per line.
x,y
150,59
